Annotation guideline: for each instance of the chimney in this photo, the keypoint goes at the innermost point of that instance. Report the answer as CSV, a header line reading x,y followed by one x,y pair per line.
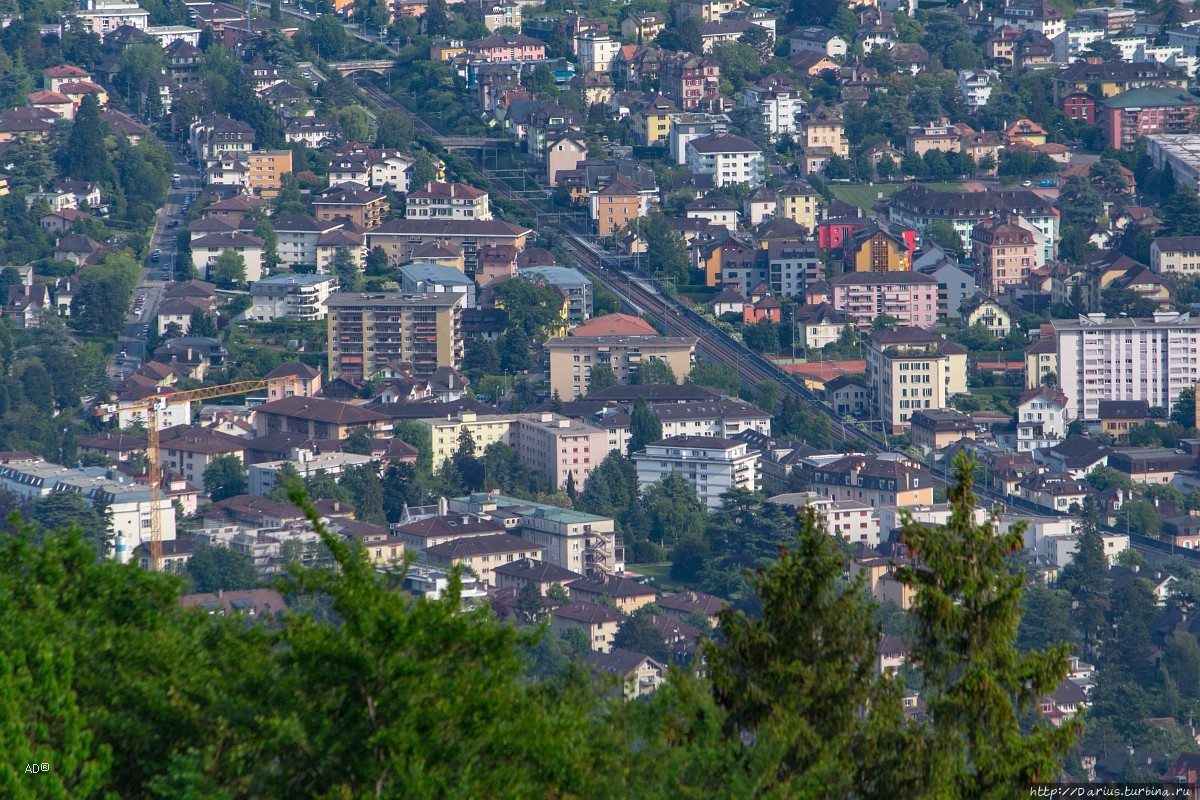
x,y
220,593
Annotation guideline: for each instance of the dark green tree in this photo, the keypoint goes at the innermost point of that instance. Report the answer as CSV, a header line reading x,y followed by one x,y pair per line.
x,y
644,426
601,376
654,370
87,157
211,568
224,477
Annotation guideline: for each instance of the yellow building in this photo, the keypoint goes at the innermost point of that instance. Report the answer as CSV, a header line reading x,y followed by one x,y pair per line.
x,y
369,331
979,308
874,249
799,203
598,623
266,170
910,369
573,357
1041,361
481,554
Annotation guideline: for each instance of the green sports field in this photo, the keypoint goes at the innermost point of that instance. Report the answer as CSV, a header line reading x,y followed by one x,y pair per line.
x,y
865,196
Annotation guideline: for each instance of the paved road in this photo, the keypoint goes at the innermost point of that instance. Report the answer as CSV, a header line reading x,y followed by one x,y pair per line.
x,y
153,283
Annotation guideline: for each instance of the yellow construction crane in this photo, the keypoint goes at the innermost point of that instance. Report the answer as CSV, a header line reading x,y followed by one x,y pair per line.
x,y
152,406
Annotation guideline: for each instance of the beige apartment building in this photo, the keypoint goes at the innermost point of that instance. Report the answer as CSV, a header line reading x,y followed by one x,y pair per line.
x,y
556,447
1178,254
265,170
910,369
369,331
572,358
799,203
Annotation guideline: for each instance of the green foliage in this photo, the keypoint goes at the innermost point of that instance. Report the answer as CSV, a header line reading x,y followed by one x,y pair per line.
x,y
944,235
721,377
766,396
211,568
535,308
104,295
229,270
639,636
644,426
673,509
966,616
601,376
666,253
87,158
654,371
795,420
224,477
1183,413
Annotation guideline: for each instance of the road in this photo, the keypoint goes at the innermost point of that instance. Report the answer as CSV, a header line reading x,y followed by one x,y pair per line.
x,y
152,282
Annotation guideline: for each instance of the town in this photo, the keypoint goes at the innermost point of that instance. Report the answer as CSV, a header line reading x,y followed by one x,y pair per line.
x,y
570,311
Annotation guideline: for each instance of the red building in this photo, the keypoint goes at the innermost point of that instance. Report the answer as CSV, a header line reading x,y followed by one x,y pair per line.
x,y
1080,106
766,308
689,80
835,232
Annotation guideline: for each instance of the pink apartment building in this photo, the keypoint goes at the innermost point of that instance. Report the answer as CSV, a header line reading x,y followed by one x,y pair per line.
x,y
911,298
508,47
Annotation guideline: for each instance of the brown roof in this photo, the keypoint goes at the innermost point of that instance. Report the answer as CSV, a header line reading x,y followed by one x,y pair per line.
x,y
320,409
614,325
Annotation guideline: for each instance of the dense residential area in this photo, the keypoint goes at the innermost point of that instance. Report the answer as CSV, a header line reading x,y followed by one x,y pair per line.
x,y
710,394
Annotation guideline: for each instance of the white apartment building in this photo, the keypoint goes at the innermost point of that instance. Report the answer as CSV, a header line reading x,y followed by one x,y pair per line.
x,y
1042,419
910,369
104,16
264,477
975,86
1070,45
1179,254
447,201
292,295
299,235
729,159
1102,358
721,419
778,107
596,51
712,466
689,126
207,249
856,522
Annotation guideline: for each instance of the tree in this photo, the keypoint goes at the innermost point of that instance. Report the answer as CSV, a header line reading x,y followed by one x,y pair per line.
x,y
804,723
654,371
264,230
105,292
795,420
228,270
346,270
1045,619
201,324
644,426
424,169
1079,202
359,441
1181,214
966,616
673,509
937,165
666,252
394,129
1105,50
837,168
377,264
601,376
59,511
87,157
638,635
943,234
721,377
328,37
218,568
1184,410
536,308
766,396
530,607
224,477
436,19
886,167
354,122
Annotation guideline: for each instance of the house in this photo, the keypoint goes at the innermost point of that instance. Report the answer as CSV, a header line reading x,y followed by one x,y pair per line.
x,y
934,429
975,86
1041,362
1152,465
818,39
1101,79
1006,252
482,554
564,151
599,623
819,325
447,201
625,594
1059,492
207,249
1118,417
690,81
507,47
351,202
618,204
293,379
636,675
526,572
763,309
188,450
728,301
1042,418
1075,456
879,248
716,210
847,396
980,309
683,605
316,417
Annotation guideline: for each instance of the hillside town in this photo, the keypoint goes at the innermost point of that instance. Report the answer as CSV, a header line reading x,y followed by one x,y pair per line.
x,y
569,311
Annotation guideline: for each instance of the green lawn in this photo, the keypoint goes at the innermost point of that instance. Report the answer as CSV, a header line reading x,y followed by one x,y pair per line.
x,y
865,196
660,572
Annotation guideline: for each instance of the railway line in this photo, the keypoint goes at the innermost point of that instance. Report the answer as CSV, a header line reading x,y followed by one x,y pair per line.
x,y
717,346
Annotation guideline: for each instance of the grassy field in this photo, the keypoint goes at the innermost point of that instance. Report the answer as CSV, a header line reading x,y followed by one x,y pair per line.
x,y
661,574
865,197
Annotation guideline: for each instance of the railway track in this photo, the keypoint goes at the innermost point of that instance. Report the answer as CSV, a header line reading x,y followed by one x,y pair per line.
x,y
717,346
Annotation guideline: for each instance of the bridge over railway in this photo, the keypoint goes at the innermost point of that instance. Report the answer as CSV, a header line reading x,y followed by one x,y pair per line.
x,y
380,65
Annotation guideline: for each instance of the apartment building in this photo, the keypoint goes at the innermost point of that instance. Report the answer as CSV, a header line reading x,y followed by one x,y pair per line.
x,y
556,447
447,201
728,158
1177,254
350,202
800,203
910,369
572,358
909,297
722,419
263,477
294,295
823,135
598,623
187,450
104,16
483,553
265,170
574,540
711,465
1127,116
1005,251
315,417
1042,418
369,331
975,86
1122,358
299,236
917,207
1041,361
689,80
571,282
207,249
886,479
399,238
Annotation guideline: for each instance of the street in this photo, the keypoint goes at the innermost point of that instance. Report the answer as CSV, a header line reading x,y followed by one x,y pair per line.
x,y
131,341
